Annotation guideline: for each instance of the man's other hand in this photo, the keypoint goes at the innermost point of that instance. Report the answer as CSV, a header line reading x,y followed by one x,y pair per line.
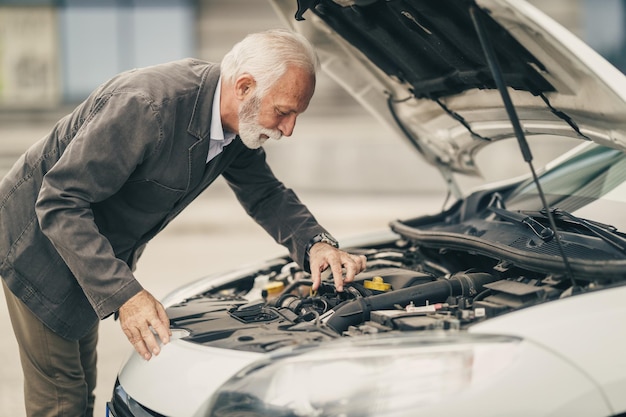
x,y
322,255
137,316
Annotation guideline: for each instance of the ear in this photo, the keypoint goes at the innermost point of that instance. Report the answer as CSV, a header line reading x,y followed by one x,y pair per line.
x,y
244,85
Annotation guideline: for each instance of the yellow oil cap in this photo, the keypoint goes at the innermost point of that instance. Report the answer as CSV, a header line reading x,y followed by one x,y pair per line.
x,y
274,288
377,284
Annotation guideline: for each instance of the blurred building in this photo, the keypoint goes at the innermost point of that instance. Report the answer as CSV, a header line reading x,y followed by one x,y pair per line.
x,y
55,52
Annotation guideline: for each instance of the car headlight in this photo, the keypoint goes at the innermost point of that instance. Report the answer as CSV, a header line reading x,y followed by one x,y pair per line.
x,y
122,405
367,377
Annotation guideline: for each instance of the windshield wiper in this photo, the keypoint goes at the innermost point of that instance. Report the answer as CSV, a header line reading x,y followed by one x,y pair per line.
x,y
544,233
605,232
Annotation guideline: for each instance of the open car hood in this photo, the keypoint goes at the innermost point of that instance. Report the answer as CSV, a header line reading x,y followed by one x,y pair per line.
x,y
419,67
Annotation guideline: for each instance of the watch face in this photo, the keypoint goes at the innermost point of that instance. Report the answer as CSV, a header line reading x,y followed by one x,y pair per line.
x,y
326,238
322,237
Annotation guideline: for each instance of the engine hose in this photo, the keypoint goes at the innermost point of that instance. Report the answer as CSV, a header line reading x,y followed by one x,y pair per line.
x,y
353,312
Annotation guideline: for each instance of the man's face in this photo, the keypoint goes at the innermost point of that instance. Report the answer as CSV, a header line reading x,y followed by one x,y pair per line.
x,y
252,134
274,115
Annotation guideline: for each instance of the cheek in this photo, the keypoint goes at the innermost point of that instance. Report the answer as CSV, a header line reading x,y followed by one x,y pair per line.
x,y
268,121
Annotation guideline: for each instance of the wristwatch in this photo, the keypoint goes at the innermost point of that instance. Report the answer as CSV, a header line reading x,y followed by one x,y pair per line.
x,y
322,237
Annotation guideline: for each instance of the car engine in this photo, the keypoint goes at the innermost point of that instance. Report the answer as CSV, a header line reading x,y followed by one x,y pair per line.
x,y
406,287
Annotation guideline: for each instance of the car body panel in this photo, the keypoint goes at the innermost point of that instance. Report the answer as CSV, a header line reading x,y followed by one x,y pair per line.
x,y
598,318
176,382
186,373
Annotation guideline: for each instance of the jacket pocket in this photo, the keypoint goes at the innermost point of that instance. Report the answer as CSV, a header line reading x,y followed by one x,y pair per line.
x,y
149,196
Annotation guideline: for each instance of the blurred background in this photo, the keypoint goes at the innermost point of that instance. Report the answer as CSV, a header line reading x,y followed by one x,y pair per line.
x,y
54,52
341,162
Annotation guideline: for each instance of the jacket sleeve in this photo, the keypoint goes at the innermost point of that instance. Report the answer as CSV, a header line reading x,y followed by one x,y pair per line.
x,y
119,132
273,206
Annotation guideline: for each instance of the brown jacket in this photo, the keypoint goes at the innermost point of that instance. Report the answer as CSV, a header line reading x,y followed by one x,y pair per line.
x,y
78,207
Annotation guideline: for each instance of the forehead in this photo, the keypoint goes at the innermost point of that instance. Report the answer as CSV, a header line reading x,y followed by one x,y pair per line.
x,y
292,91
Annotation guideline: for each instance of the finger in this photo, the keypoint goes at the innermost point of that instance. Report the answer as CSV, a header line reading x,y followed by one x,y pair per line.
x,y
316,275
162,325
359,262
142,349
150,341
352,268
363,259
337,269
136,340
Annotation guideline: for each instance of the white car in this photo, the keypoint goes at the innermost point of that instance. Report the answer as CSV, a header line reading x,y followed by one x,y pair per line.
x,y
510,302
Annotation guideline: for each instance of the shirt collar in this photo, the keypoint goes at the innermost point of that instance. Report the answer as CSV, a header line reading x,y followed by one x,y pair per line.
x,y
217,131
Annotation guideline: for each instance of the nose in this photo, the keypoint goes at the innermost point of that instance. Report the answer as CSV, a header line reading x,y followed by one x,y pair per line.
x,y
287,124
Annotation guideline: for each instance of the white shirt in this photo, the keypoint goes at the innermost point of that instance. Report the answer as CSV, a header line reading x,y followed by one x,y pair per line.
x,y
219,138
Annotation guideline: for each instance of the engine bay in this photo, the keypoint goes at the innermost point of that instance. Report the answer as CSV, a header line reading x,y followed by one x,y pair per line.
x,y
406,287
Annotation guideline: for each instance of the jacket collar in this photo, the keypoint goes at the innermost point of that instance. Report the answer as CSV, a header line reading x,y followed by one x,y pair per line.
x,y
200,123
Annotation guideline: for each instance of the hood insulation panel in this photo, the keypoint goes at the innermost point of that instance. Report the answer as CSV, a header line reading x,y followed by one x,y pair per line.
x,y
432,45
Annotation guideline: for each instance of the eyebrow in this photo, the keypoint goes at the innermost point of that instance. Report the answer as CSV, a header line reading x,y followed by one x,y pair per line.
x,y
285,109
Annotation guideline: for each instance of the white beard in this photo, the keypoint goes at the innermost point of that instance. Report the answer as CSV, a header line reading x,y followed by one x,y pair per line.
x,y
251,133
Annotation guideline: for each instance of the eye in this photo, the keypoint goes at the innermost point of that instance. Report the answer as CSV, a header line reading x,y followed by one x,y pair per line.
x,y
281,113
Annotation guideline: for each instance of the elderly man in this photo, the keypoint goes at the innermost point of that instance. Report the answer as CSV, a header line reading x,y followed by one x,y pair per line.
x,y
78,207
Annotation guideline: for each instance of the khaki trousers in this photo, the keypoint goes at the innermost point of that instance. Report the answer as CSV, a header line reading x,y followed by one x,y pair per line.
x,y
59,374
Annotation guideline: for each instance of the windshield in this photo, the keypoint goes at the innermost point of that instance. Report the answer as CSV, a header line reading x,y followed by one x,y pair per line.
x,y
592,185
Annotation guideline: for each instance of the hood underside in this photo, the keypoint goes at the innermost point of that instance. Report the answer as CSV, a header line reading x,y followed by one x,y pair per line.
x,y
418,66
431,45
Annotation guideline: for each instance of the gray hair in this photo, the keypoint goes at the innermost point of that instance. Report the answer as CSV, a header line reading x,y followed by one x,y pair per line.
x,y
266,55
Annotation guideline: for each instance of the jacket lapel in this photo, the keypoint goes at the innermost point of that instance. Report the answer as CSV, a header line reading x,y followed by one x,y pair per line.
x,y
200,125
